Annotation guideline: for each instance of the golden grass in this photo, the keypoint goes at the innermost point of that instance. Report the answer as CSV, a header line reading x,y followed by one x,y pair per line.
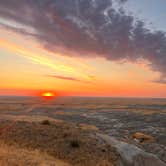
x,y
64,141
12,156
28,118
88,127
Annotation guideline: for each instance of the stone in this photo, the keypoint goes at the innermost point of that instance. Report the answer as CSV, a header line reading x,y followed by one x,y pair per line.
x,y
130,154
143,138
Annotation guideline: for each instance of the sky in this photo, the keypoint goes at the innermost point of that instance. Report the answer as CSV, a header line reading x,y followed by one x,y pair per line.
x,y
83,47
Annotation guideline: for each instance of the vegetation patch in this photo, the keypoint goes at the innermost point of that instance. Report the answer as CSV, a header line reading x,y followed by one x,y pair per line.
x,y
46,122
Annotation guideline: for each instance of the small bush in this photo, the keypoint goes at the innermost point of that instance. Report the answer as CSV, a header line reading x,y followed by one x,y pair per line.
x,y
74,144
45,122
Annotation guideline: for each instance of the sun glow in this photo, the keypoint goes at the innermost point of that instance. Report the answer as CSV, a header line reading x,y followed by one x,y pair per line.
x,y
48,95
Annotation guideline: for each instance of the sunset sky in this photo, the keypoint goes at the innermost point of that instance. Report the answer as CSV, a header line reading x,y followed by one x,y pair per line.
x,y
83,47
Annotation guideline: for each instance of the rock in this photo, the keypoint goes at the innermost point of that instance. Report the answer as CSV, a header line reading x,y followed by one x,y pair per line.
x,y
143,138
130,154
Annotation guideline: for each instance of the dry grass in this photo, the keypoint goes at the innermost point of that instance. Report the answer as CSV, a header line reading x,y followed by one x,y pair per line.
x,y
63,141
88,127
28,118
12,156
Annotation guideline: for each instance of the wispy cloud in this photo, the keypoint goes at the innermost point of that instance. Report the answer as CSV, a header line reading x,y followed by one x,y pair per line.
x,y
68,78
39,59
160,80
43,60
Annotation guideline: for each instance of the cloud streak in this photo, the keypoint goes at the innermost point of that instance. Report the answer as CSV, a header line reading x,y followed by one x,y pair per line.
x,y
67,78
35,58
88,28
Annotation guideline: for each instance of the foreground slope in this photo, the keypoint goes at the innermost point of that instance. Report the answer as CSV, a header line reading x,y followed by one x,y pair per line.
x,y
71,143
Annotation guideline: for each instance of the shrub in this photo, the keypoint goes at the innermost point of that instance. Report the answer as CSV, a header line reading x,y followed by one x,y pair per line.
x,y
74,144
45,122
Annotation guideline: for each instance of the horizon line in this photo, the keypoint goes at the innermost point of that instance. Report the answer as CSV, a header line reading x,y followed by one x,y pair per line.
x,y
83,96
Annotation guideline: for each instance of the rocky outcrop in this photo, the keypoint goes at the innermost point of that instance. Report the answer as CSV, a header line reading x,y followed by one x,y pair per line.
x,y
130,154
143,138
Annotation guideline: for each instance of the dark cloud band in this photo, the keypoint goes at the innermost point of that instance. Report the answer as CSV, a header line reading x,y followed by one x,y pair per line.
x,y
89,28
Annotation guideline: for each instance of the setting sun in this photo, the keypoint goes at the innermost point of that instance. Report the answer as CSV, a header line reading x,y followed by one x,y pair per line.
x,y
48,95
